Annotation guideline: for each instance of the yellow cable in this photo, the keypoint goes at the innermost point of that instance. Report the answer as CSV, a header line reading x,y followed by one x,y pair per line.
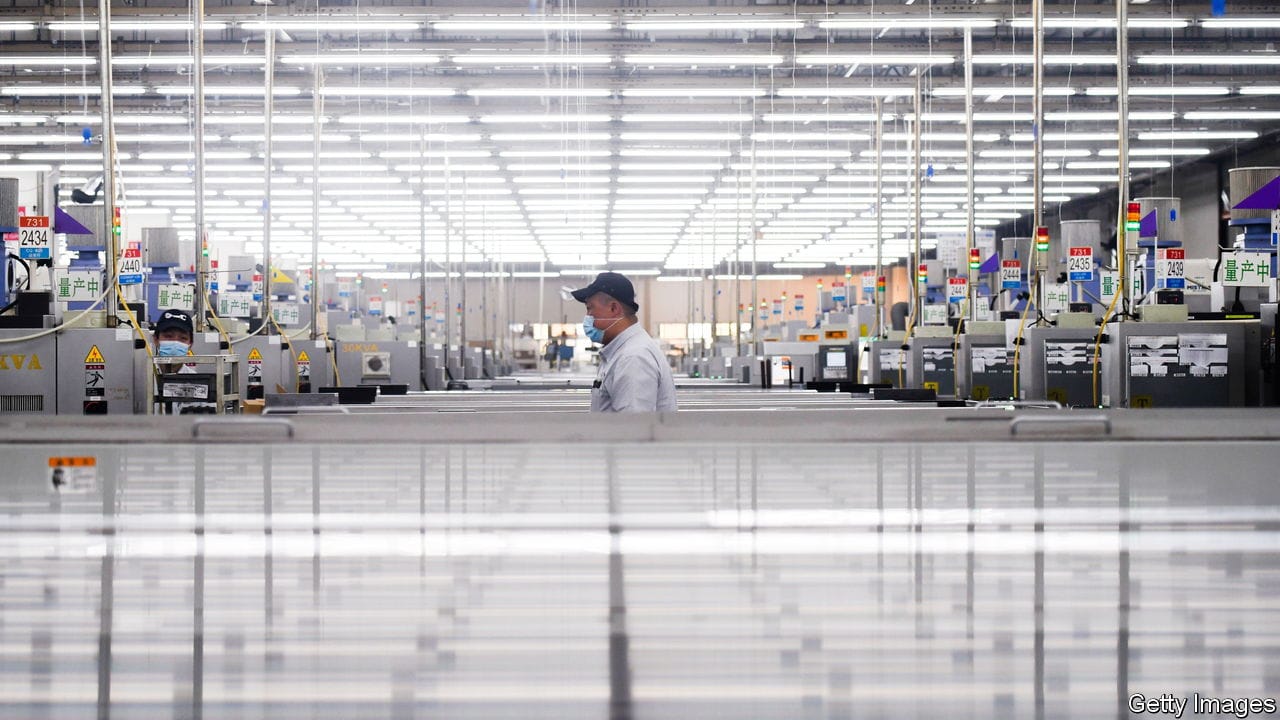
x,y
1022,324
1097,344
133,320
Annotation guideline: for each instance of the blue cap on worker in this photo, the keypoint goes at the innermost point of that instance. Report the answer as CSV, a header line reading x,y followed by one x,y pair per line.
x,y
615,285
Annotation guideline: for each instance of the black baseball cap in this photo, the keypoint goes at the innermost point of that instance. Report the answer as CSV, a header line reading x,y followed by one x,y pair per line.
x,y
175,319
615,285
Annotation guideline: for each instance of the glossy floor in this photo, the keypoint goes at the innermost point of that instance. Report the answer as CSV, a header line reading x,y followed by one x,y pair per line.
x,y
647,580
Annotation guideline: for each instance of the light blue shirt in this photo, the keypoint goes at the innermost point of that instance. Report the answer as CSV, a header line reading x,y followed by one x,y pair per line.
x,y
634,376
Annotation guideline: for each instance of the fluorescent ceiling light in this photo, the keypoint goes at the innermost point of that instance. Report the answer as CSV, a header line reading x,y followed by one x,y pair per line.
x,y
144,25
362,57
820,117
728,22
873,59
534,119
687,117
564,153
21,61
700,60
528,23
842,92
9,26
1259,90
183,60
424,119
1104,23
905,23
672,152
1000,92
1207,115
693,92
67,90
552,137
23,119
352,23
1085,116
1148,91
549,58
1156,152
1049,59
1241,59
1199,135
1241,23
420,137
680,136
540,92
384,91
228,90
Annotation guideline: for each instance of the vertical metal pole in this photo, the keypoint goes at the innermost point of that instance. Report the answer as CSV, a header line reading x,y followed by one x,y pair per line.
x,y
269,104
422,273
737,263
970,161
448,261
1122,127
111,243
715,269
879,141
919,290
462,324
202,257
1037,130
316,103
755,236
542,291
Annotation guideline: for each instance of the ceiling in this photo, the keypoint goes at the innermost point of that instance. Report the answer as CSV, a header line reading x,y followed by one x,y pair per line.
x,y
641,136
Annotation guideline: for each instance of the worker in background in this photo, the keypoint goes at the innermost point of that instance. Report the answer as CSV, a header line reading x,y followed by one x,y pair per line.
x,y
634,376
174,334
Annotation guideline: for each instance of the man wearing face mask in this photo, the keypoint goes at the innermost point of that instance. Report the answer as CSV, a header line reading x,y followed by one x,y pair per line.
x,y
633,376
174,334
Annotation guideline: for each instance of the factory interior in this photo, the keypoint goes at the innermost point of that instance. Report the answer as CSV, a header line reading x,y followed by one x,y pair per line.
x,y
967,311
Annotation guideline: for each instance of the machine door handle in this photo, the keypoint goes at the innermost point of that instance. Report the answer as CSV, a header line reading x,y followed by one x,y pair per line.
x,y
1069,419
1054,404
244,426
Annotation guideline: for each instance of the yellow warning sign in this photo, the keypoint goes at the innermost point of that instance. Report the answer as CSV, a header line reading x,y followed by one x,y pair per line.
x,y
254,354
94,356
303,357
931,386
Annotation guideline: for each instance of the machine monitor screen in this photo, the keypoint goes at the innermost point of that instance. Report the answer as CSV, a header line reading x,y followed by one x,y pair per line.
x,y
835,359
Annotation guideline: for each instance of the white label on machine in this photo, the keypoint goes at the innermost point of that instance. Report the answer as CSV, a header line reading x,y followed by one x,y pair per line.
x,y
1056,297
982,311
1010,274
35,238
285,313
73,475
868,280
177,296
1108,285
130,267
957,289
1275,227
1246,270
935,315
1080,264
76,285
949,245
235,304
1171,268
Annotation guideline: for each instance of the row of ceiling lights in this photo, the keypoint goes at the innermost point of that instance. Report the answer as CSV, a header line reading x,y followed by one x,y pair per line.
x,y
580,23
